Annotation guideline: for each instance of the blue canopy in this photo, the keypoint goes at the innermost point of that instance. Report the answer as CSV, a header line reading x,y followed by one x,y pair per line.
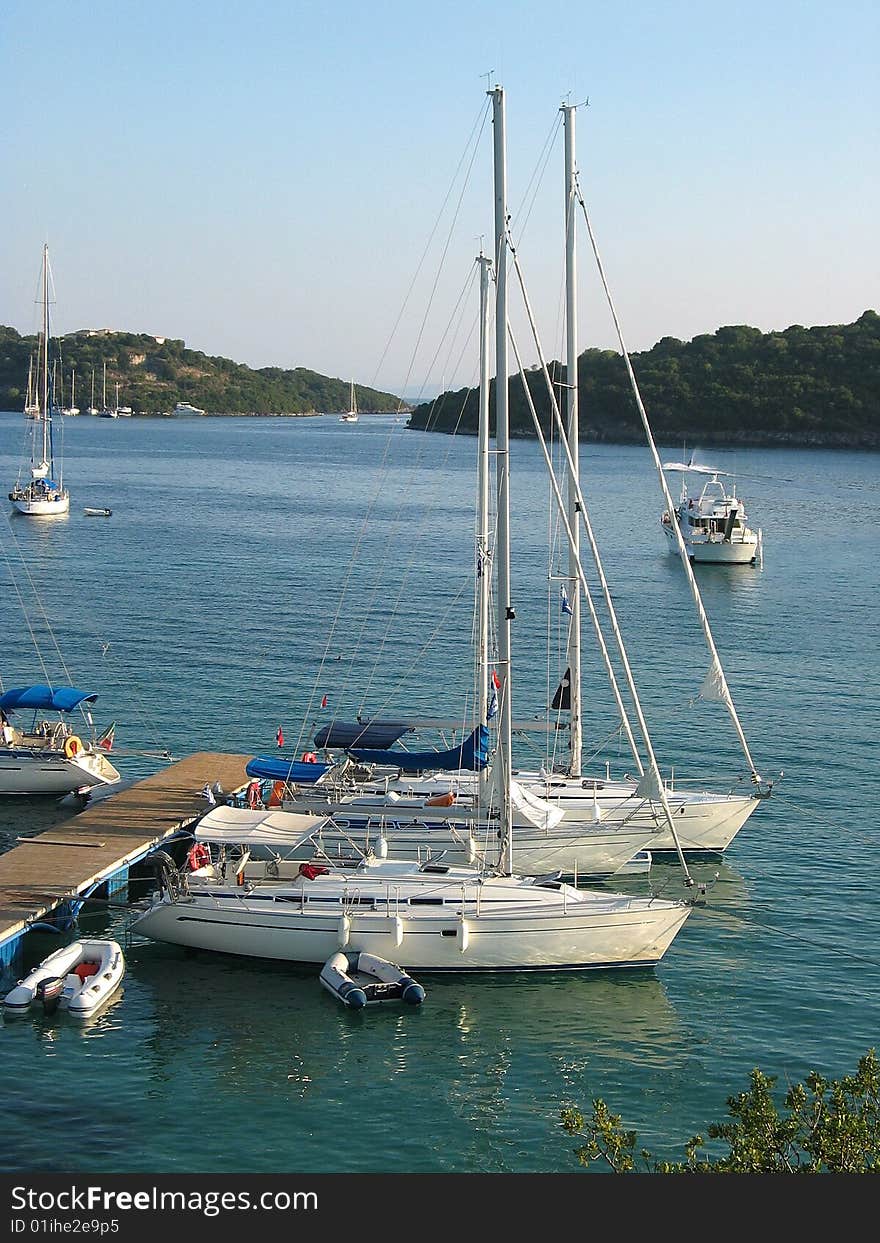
x,y
44,698
367,733
278,769
472,754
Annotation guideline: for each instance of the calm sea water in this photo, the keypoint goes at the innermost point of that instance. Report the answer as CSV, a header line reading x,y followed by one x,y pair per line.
x,y
252,566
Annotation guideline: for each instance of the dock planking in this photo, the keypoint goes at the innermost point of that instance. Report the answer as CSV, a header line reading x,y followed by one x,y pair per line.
x,y
44,870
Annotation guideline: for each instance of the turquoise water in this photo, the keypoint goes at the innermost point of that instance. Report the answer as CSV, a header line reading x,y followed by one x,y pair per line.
x,y
222,599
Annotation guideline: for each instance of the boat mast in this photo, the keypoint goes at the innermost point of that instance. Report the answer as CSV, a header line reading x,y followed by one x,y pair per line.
x,y
483,557
502,473
572,434
73,388
45,410
104,388
93,388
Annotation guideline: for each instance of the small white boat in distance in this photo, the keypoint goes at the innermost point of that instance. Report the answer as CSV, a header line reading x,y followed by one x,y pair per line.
x,y
352,414
358,979
184,408
711,519
97,513
80,978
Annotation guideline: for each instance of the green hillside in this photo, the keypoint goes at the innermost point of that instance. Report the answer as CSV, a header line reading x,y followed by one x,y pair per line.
x,y
154,374
803,386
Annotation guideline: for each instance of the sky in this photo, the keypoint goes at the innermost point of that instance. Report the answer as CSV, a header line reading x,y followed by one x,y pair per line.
x,y
308,184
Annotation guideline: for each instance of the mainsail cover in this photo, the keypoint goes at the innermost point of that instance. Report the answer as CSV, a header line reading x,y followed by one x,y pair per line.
x,y
272,768
346,734
472,754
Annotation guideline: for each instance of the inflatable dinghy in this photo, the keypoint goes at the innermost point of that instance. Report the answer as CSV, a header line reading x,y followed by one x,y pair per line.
x,y
80,977
360,979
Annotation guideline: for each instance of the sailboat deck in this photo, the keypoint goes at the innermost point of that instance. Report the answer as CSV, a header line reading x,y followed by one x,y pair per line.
x,y
45,870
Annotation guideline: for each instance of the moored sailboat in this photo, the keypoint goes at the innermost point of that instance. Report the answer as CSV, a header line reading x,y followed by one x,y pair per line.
x,y
425,915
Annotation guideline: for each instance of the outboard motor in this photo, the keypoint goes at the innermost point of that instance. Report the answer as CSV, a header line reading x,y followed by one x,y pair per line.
x,y
168,877
48,993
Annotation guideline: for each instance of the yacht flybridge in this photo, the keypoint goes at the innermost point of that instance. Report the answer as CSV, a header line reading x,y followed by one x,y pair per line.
x,y
711,519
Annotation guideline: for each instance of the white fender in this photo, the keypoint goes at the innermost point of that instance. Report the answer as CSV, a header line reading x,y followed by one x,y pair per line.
x,y
381,851
463,934
397,930
343,933
471,849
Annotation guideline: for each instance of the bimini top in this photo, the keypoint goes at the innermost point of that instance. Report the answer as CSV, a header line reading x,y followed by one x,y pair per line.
x,y
472,754
44,698
273,768
272,827
367,733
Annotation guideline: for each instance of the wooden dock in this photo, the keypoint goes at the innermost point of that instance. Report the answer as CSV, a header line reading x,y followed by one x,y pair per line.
x,y
44,871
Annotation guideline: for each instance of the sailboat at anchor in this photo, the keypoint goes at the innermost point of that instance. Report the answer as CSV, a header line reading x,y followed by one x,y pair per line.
x,y
42,494
351,416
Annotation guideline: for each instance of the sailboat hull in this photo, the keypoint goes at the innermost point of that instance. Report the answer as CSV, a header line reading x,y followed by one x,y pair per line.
x,y
41,507
36,771
593,940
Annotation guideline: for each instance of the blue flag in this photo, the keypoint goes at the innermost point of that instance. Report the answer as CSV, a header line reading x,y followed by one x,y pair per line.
x,y
566,607
493,706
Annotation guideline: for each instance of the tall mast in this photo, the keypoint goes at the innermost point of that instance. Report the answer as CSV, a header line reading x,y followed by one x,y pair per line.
x,y
483,561
104,388
73,388
571,381
93,388
502,471
45,411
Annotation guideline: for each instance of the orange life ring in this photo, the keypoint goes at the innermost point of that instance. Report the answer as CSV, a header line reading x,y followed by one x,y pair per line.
x,y
72,746
199,856
309,757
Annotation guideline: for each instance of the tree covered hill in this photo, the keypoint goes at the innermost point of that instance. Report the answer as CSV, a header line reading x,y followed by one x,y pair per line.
x,y
155,373
803,386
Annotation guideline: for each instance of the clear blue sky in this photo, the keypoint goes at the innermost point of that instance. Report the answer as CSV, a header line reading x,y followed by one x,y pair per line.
x,y
262,179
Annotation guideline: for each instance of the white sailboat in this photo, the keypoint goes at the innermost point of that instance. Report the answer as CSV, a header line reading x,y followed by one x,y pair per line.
x,y
108,412
31,404
42,494
601,822
351,416
428,916
93,409
73,408
43,754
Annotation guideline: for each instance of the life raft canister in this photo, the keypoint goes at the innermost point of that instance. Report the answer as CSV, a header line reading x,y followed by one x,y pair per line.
x,y
72,746
199,856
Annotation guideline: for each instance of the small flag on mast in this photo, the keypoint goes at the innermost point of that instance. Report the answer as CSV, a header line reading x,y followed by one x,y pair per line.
x,y
106,739
493,705
279,737
566,606
324,702
496,681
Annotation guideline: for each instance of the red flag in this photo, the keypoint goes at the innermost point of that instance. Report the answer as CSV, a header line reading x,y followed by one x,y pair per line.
x,y
279,737
496,681
324,702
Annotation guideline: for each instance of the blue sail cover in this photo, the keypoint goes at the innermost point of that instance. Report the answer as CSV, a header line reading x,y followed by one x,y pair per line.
x,y
45,699
368,733
472,754
275,768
